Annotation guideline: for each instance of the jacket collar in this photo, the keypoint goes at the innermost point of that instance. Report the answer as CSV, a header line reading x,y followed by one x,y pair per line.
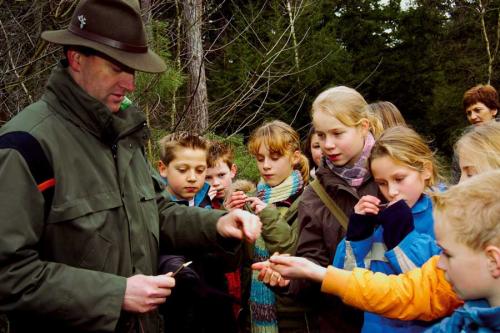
x,y
481,313
69,100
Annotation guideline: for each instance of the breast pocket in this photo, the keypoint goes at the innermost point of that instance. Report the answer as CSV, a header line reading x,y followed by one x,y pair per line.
x,y
85,232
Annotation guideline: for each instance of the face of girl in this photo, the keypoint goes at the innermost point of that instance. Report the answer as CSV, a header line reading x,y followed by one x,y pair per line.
x,y
316,151
341,144
220,177
467,168
186,172
275,168
479,113
397,181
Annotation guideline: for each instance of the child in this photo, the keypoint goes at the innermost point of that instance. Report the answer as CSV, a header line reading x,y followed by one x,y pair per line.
x,y
423,293
220,172
183,165
313,152
284,171
200,301
471,252
399,237
347,133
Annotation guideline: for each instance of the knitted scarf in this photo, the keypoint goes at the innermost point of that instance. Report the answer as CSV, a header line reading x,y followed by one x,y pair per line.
x,y
358,173
262,299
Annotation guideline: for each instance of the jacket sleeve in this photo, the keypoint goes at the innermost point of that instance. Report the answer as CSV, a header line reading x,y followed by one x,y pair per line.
x,y
422,293
351,254
278,234
413,251
191,230
29,284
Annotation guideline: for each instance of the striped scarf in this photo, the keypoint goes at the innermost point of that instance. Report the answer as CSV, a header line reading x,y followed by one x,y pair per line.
x,y
262,299
358,173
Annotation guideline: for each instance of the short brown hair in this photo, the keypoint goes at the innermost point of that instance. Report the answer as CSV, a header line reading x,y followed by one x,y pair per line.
x,y
219,150
171,142
472,209
485,94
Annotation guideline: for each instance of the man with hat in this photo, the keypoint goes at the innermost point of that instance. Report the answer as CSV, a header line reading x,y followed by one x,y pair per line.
x,y
81,221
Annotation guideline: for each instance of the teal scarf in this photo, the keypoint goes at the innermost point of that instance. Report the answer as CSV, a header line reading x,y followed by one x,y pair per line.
x,y
262,299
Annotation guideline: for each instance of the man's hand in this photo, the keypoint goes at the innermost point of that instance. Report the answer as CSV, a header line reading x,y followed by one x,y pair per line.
x,y
146,293
239,224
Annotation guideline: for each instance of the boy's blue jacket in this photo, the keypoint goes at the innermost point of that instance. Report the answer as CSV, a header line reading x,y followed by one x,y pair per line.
x,y
201,198
474,316
411,252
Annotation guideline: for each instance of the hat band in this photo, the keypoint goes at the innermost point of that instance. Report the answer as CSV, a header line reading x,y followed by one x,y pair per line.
x,y
108,41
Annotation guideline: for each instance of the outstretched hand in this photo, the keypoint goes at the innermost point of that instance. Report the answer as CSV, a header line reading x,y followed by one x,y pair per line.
x,y
235,200
239,224
290,267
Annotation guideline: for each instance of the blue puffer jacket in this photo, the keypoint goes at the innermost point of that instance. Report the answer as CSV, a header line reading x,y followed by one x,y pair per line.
x,y
411,252
474,316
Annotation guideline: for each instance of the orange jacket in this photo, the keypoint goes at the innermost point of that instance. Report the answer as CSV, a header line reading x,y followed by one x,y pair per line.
x,y
422,293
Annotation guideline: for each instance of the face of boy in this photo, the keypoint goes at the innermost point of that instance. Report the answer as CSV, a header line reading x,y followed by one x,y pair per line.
x,y
275,168
220,177
186,172
341,144
397,181
467,270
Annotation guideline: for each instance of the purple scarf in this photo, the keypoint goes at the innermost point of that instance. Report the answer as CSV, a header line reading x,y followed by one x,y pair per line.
x,y
358,173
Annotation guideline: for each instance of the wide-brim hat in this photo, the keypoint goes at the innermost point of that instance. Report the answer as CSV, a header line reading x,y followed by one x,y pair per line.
x,y
113,27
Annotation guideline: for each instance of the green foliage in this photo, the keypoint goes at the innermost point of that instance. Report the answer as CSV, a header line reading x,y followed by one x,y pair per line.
x,y
157,91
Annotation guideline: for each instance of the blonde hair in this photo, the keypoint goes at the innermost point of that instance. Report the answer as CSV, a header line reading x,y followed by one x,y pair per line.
x,y
348,106
407,147
388,114
481,145
170,144
472,209
280,139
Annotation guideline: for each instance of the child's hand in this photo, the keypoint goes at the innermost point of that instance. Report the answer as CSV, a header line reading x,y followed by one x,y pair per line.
x,y
256,204
368,204
212,193
236,200
269,276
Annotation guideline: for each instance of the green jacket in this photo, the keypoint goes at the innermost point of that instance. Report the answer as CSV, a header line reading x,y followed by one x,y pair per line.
x,y
67,272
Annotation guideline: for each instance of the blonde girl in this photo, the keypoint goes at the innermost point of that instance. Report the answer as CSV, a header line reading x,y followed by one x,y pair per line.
x,y
284,171
478,149
347,133
398,236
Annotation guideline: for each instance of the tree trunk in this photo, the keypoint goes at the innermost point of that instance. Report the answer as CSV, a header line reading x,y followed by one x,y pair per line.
x,y
195,117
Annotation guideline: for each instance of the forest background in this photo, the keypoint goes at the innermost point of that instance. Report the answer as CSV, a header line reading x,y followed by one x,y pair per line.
x,y
234,64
